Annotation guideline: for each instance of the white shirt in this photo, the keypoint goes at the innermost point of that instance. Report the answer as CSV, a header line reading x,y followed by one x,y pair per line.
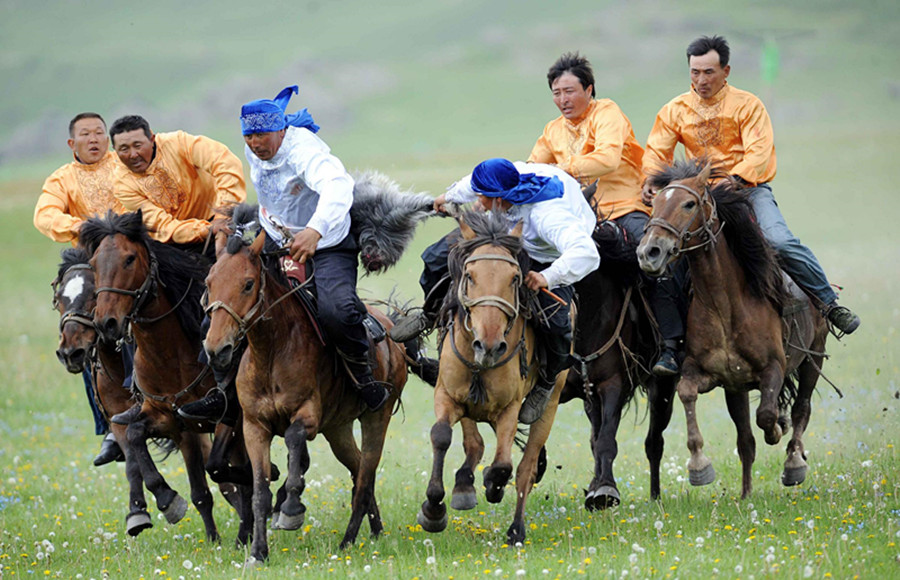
x,y
302,186
556,230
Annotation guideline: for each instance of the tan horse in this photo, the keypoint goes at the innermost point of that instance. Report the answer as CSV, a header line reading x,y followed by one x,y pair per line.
x,y
289,384
487,366
748,328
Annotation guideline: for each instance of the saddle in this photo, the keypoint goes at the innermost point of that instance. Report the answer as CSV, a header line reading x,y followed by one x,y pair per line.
x,y
300,277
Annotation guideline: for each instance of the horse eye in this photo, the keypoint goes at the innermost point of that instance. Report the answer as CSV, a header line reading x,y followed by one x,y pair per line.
x,y
130,259
690,205
248,286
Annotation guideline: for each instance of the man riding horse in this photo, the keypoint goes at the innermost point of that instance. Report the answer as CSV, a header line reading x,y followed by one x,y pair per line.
x,y
556,235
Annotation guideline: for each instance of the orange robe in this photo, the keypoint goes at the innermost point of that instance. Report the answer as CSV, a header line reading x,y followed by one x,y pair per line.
x,y
72,194
732,128
600,146
189,178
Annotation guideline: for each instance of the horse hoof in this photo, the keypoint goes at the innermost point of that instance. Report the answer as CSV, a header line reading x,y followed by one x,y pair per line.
x,y
793,475
703,476
176,510
430,525
137,522
604,497
464,500
286,522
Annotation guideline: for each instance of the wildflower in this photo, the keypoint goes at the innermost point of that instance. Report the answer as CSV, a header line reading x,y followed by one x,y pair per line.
x,y
188,565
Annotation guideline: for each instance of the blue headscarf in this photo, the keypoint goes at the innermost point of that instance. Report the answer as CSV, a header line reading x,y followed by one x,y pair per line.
x,y
266,116
500,178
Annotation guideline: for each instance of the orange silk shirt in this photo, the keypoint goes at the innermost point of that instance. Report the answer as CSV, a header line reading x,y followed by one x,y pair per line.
x,y
601,146
189,178
73,193
732,128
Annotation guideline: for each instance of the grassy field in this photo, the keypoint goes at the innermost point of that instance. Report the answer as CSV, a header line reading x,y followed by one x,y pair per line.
x,y
423,92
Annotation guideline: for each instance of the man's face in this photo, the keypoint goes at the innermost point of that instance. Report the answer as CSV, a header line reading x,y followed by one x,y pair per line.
x,y
570,97
135,149
492,203
265,145
89,141
707,75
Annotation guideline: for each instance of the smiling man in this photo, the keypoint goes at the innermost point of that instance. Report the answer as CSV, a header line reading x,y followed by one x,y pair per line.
x,y
732,129
177,179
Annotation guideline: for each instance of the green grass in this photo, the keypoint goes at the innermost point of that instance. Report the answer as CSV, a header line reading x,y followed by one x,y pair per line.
x,y
454,83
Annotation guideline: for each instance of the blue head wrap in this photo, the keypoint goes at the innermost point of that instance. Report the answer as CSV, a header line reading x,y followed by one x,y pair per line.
x,y
500,178
266,116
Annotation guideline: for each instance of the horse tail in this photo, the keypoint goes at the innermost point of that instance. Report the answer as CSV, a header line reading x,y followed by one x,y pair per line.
x,y
165,446
384,218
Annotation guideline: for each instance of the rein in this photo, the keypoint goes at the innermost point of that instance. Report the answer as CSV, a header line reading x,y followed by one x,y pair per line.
x,y
704,231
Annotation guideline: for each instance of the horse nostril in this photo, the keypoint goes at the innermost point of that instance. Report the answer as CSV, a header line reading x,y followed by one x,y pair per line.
x,y
501,348
653,252
477,346
109,327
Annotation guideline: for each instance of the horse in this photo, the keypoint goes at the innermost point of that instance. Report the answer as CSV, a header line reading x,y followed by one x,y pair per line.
x,y
151,291
292,385
79,348
749,326
487,365
614,340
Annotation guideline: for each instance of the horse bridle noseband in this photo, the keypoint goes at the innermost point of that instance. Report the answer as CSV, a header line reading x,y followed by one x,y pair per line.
x,y
509,309
704,231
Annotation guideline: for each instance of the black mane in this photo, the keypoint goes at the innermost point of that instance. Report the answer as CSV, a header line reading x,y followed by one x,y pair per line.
x,y
181,271
71,257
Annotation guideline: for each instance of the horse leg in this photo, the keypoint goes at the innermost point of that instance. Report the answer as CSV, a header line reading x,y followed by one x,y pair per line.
x,y
192,451
498,474
217,465
463,497
172,505
660,395
344,447
700,467
432,515
293,512
526,472
795,465
138,519
771,380
258,441
603,492
739,408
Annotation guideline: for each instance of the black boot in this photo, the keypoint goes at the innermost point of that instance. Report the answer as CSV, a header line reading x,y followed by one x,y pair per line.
x,y
373,393
842,318
536,401
210,408
109,451
667,364
127,417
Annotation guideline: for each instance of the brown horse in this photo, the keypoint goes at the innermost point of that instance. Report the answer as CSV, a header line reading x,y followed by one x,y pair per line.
x,y
748,326
79,348
487,366
289,384
151,292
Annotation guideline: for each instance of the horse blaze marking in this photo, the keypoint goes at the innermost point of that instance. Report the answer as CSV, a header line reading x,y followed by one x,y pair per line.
x,y
74,288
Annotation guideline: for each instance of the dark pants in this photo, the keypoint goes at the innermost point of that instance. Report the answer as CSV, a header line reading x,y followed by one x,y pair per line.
x,y
553,329
101,427
668,293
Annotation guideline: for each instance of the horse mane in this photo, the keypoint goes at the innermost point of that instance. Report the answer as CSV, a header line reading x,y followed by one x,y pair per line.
x,y
71,257
742,234
181,272
490,228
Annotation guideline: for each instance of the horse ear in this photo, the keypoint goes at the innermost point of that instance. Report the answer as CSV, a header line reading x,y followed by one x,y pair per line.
x,y
257,246
703,177
467,232
517,231
221,241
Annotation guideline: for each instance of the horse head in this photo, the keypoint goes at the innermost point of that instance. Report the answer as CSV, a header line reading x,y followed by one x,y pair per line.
x,y
684,215
235,289
488,281
73,298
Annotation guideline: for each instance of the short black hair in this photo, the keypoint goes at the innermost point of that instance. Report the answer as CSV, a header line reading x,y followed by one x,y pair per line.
x,y
705,44
80,116
129,123
572,62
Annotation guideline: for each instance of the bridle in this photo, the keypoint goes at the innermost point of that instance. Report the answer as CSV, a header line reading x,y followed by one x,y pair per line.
x,y
704,232
81,317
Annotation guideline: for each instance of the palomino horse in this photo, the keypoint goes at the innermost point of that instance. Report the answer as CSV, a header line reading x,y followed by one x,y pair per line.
x,y
614,346
152,291
487,366
290,384
747,328
79,348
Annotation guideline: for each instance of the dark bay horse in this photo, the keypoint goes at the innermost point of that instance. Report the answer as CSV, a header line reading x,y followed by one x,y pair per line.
x,y
749,327
289,384
152,291
487,366
79,349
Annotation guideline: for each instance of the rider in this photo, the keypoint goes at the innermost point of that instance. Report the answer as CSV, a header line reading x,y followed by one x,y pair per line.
x,y
556,235
592,140
72,194
732,128
305,189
